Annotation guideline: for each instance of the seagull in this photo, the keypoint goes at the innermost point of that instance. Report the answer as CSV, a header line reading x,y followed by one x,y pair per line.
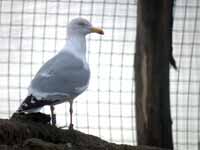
x,y
63,77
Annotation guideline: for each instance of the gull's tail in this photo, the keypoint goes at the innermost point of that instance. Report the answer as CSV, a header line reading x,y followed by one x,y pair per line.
x,y
31,104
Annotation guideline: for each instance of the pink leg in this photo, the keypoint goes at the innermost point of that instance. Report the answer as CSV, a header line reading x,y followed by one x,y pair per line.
x,y
71,112
53,116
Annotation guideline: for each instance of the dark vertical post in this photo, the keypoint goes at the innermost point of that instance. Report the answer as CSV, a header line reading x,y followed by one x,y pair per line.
x,y
153,47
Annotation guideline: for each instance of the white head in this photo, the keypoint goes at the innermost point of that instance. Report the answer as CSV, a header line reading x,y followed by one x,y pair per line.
x,y
82,27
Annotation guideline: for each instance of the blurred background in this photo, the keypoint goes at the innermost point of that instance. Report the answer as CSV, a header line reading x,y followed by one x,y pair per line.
x,y
32,31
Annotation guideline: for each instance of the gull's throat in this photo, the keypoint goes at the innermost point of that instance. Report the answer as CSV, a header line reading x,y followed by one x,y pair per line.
x,y
76,45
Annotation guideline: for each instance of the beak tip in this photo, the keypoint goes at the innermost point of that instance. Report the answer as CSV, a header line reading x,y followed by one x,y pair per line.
x,y
97,30
102,33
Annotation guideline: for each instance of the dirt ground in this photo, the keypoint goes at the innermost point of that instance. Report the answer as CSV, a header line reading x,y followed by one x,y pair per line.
x,y
34,132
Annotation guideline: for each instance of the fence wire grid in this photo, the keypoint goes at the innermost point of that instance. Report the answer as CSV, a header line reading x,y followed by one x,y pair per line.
x,y
32,31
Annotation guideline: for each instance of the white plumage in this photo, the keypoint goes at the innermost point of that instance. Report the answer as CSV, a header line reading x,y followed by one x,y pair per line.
x,y
66,75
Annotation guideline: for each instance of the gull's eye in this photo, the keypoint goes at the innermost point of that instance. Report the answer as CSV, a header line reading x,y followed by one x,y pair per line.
x,y
81,23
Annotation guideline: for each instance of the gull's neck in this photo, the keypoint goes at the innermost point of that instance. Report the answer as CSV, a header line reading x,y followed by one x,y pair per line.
x,y
76,45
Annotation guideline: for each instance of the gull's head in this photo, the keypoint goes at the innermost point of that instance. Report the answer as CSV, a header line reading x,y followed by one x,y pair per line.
x,y
82,27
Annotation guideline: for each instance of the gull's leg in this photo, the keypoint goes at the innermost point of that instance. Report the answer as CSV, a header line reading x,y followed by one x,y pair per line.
x,y
71,111
53,116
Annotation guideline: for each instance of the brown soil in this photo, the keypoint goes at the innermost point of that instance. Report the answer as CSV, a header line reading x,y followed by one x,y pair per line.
x,y
34,132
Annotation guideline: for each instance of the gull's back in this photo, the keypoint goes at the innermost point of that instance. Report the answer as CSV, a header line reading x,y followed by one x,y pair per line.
x,y
64,75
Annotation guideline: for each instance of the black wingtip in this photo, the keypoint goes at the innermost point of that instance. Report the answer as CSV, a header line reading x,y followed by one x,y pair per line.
x,y
31,102
24,104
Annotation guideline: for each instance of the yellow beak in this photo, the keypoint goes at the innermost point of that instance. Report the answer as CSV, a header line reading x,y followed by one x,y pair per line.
x,y
97,30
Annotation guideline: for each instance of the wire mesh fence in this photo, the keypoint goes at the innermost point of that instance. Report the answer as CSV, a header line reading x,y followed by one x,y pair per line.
x,y
185,87
32,31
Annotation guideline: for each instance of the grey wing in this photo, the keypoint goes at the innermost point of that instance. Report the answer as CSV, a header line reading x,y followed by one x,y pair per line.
x,y
62,74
